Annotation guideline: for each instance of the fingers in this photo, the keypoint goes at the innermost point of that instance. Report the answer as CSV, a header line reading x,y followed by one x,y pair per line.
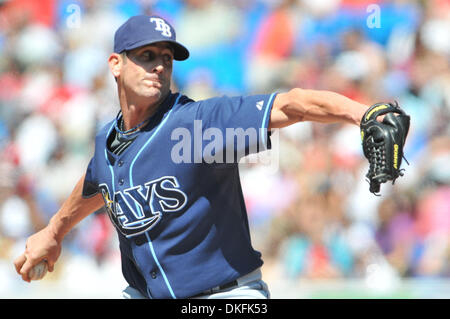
x,y
50,266
40,246
29,269
18,263
24,265
52,258
26,269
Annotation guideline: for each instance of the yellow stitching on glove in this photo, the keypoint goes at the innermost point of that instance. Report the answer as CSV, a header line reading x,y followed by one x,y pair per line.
x,y
395,156
380,107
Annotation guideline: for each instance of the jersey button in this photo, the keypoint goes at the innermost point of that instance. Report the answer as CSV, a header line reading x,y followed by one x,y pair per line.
x,y
121,181
139,240
153,274
120,163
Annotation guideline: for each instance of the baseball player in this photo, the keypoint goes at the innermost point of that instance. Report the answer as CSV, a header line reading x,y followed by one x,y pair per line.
x,y
176,200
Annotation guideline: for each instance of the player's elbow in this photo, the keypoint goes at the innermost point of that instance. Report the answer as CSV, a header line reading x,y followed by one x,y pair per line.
x,y
296,96
285,110
298,103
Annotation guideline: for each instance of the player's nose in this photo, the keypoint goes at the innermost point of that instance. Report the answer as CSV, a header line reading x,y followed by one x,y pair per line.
x,y
158,68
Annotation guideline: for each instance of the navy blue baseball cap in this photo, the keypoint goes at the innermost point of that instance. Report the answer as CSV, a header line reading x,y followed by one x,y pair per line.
x,y
142,30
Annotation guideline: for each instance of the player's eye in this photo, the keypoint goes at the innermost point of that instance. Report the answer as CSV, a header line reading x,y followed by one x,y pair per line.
x,y
167,58
147,56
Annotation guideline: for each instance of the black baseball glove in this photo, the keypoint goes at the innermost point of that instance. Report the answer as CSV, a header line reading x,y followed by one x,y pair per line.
x,y
383,142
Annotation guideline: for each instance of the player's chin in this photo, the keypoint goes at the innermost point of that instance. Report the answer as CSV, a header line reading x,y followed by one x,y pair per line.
x,y
152,93
152,84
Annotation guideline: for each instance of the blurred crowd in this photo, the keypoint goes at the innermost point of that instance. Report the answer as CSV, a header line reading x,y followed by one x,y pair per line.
x,y
312,217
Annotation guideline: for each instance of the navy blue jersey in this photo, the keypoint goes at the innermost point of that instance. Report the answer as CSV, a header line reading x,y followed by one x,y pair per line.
x,y
175,197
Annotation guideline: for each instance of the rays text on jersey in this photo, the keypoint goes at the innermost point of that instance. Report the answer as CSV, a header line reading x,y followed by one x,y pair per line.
x,y
137,209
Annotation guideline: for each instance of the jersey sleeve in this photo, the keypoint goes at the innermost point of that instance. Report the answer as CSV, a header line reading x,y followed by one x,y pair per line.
x,y
242,122
90,186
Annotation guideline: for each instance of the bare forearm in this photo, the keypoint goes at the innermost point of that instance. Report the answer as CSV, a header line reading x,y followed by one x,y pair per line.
x,y
326,106
74,209
314,105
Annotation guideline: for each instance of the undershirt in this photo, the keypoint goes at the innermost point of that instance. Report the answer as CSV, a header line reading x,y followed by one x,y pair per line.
x,y
117,144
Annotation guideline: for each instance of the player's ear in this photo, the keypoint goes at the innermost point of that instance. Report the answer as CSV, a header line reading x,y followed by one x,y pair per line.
x,y
115,62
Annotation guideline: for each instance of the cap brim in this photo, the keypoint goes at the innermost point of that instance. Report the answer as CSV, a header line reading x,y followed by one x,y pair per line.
x,y
180,52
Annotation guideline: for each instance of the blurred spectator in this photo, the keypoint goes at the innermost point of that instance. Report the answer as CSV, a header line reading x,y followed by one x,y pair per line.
x,y
316,248
433,227
396,235
271,48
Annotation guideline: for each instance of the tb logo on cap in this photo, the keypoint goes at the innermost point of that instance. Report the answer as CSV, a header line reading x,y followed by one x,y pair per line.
x,y
162,26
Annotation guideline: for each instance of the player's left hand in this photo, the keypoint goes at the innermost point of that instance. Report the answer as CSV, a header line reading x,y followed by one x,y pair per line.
x,y
383,142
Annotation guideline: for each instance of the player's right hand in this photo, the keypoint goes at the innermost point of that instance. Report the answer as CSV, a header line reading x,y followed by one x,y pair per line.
x,y
42,245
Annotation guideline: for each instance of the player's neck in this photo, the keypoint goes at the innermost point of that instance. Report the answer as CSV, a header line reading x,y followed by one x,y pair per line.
x,y
135,112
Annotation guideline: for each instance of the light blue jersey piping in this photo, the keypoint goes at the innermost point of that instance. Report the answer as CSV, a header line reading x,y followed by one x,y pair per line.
x,y
110,167
150,244
263,128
